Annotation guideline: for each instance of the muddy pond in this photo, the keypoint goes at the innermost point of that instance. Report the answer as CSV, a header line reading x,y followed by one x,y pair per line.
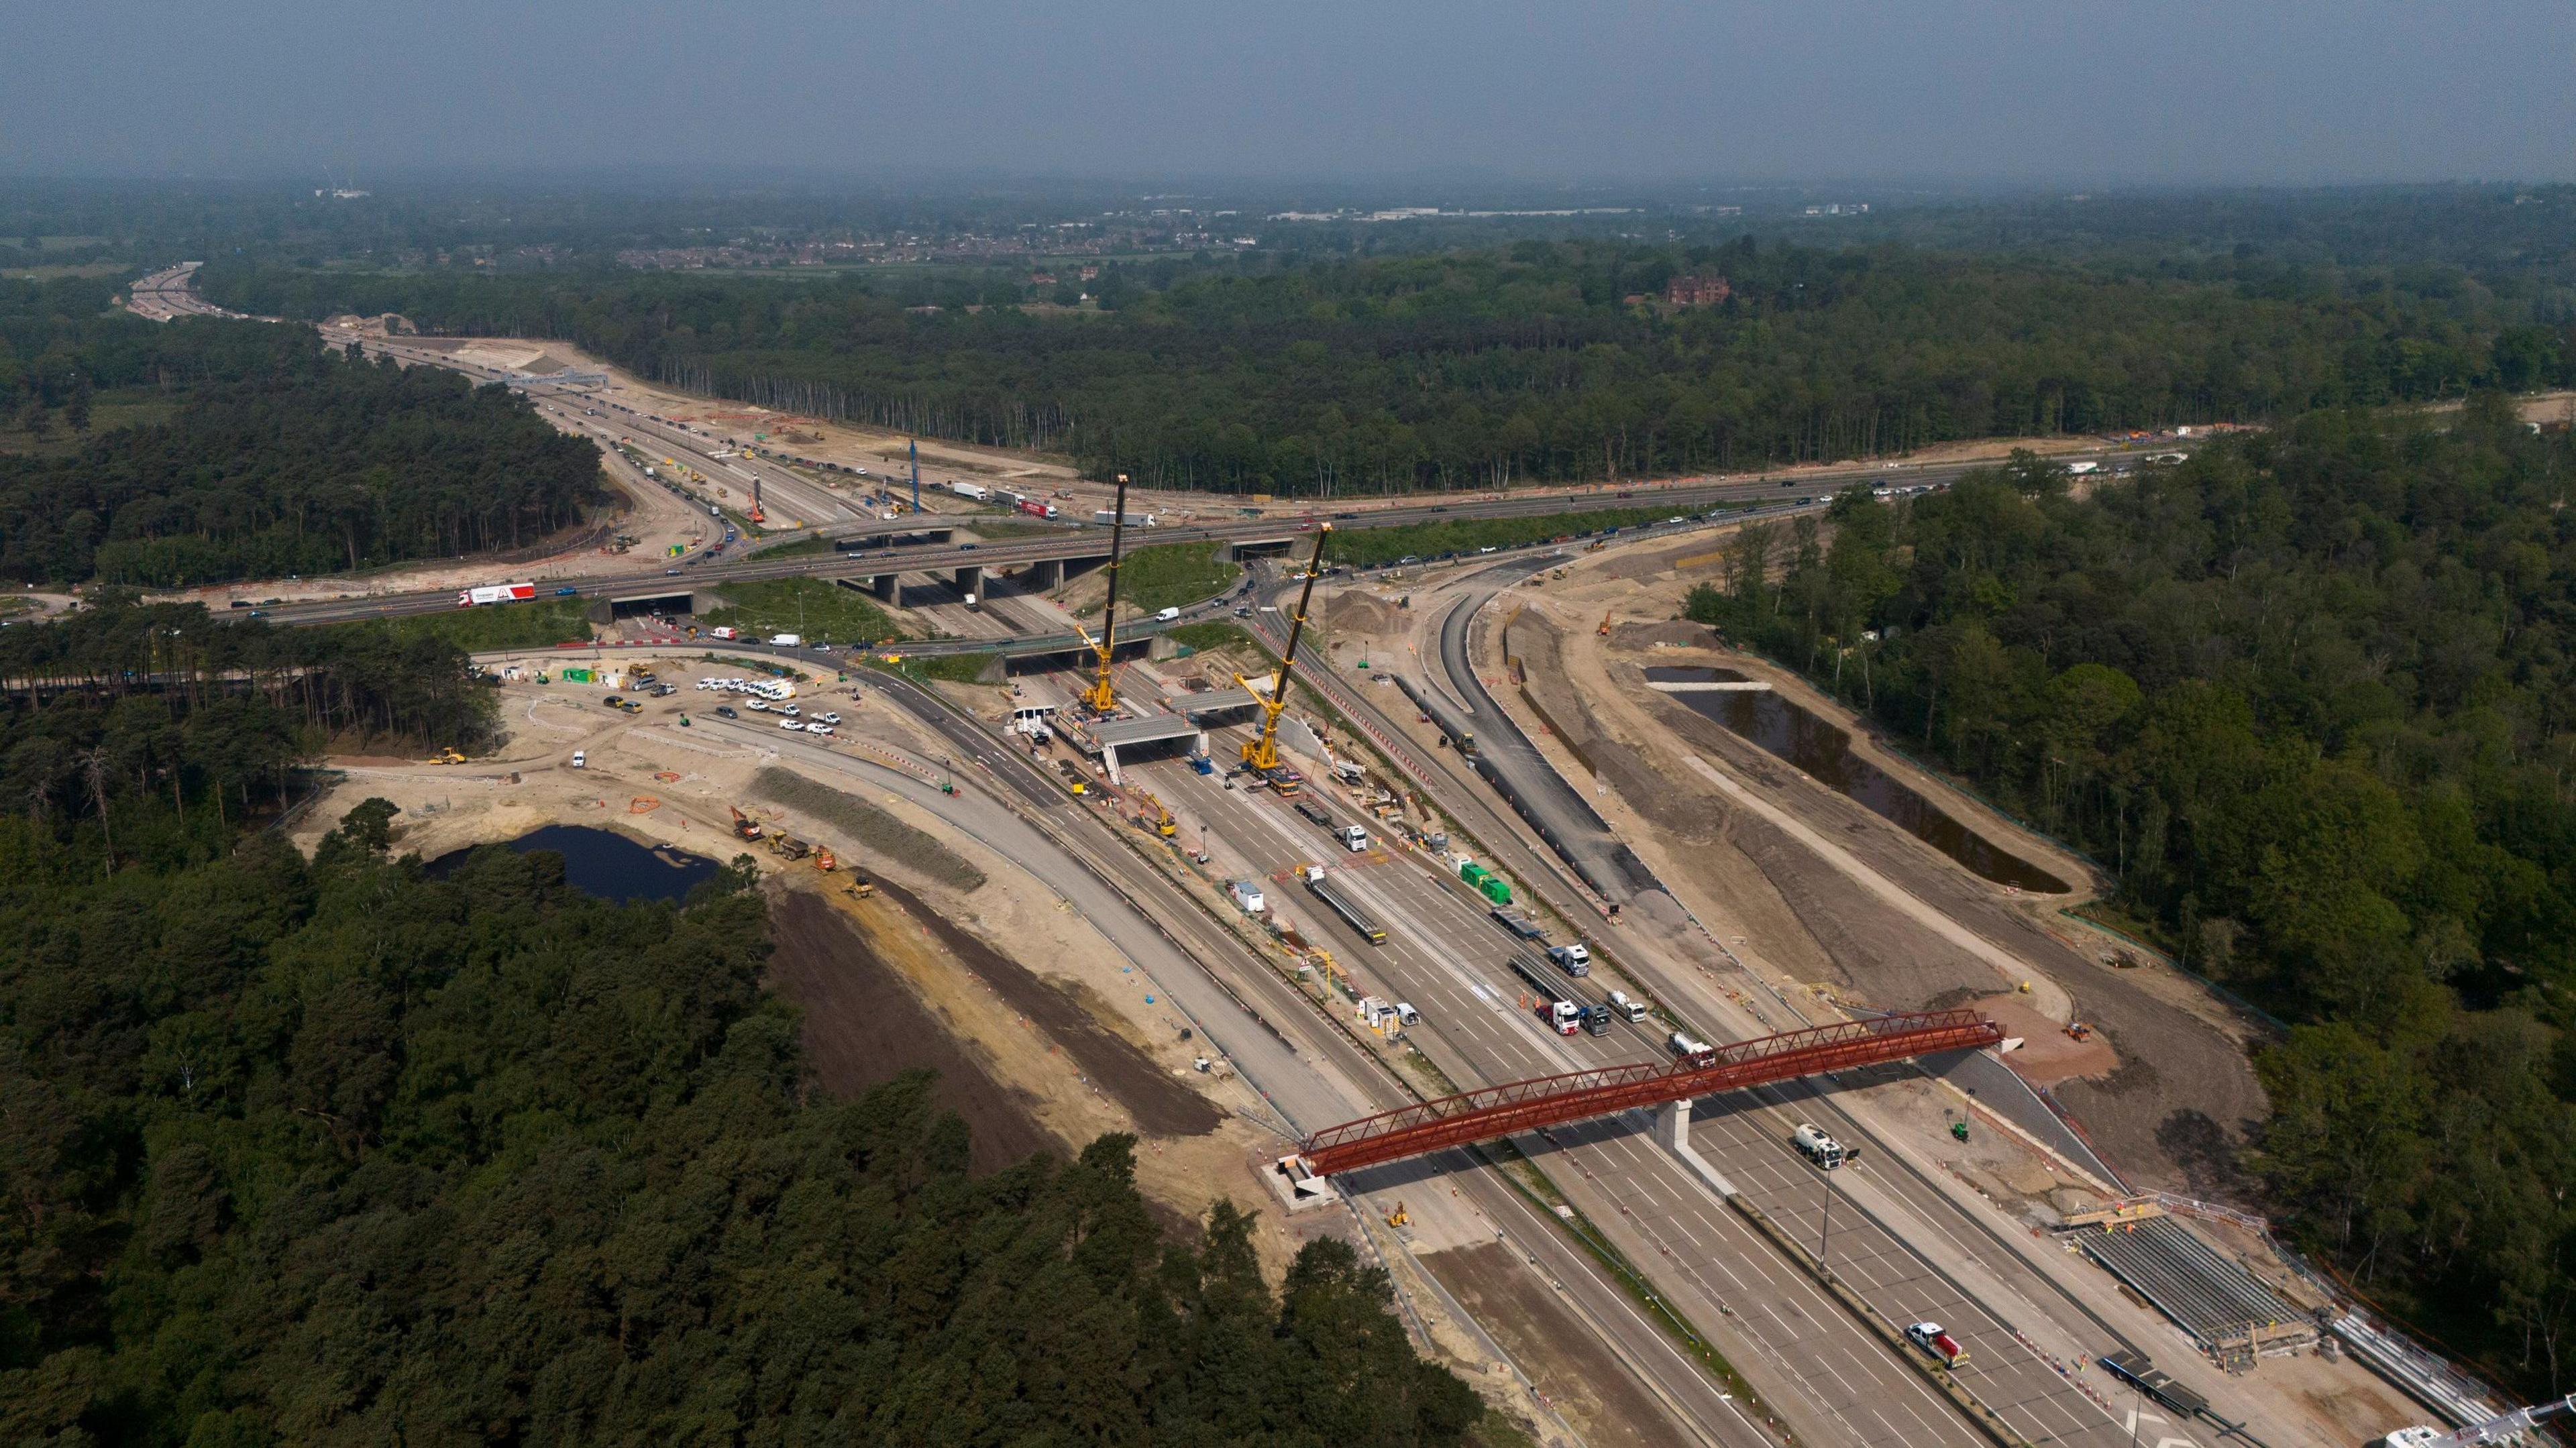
x,y
1823,751
606,864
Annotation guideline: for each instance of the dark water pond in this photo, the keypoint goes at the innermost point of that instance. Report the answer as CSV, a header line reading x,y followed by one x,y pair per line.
x,y
1824,751
606,864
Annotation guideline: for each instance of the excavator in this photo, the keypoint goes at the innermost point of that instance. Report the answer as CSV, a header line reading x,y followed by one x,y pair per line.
x,y
1261,752
1102,697
1155,815
744,826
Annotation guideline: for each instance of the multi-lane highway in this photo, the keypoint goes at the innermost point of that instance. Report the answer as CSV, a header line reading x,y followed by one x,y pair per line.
x,y
1448,958
1442,953
1313,1076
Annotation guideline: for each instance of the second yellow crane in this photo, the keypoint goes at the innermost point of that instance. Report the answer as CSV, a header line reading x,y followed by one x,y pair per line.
x,y
1261,752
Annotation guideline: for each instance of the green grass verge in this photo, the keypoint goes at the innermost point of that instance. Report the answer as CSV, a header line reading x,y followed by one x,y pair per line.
x,y
949,668
1369,548
1172,575
538,625
880,832
995,529
810,544
809,606
1211,635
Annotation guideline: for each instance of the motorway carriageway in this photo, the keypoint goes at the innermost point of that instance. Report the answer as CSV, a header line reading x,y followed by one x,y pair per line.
x,y
1085,540
1311,1083
1443,955
1895,1193
1446,956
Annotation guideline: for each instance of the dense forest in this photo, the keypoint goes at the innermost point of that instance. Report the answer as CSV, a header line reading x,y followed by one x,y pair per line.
x,y
150,732
312,1151
1522,363
2312,697
281,457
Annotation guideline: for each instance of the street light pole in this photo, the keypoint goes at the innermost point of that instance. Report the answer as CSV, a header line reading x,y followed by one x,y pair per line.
x,y
1825,1225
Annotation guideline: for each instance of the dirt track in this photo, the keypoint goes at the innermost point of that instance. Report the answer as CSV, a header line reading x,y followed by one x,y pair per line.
x,y
864,1026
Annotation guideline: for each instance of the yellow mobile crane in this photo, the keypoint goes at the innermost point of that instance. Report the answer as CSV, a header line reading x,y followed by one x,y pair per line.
x,y
1261,752
1102,697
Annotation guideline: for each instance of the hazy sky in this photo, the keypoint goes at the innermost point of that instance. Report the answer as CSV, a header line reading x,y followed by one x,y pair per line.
x,y
2067,91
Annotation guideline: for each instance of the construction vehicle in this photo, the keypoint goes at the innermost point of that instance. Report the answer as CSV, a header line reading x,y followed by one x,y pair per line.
x,y
2079,1030
790,847
1354,914
1397,1218
1604,630
1261,752
744,826
860,887
1154,815
1073,780
824,861
446,756
1102,697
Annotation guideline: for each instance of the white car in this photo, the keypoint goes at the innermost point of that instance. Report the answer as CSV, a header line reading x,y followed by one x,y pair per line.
x,y
580,760
822,729
791,711
705,684
757,707
790,725
830,717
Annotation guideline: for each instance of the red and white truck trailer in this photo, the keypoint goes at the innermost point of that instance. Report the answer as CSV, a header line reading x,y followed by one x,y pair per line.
x,y
496,593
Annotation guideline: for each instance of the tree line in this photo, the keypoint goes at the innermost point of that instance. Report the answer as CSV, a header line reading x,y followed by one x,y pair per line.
x,y
309,463
330,1151
2311,698
153,732
1526,362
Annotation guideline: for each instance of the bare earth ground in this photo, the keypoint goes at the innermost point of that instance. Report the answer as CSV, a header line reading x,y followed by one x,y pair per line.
x,y
864,1025
2169,1114
1038,1027
1118,1068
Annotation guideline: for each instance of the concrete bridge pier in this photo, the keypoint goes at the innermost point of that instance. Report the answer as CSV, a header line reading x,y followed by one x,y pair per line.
x,y
885,586
970,579
1044,576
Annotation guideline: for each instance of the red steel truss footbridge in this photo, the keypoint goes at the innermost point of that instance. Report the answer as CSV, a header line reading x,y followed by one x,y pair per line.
x,y
1605,1091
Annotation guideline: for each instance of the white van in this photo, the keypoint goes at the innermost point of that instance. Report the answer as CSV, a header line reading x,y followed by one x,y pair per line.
x,y
580,760
1167,615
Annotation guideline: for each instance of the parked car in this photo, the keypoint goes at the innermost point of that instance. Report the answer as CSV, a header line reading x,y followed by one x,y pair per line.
x,y
580,760
790,725
725,711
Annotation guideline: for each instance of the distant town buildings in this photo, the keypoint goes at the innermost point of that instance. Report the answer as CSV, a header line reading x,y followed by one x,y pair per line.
x,y
1696,291
1840,208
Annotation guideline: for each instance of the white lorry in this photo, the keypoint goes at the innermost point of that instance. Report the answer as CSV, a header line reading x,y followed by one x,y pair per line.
x,y
786,641
1354,838
1813,1144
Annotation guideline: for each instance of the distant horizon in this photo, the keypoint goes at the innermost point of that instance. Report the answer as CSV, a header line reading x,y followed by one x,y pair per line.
x,y
1997,94
1354,190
